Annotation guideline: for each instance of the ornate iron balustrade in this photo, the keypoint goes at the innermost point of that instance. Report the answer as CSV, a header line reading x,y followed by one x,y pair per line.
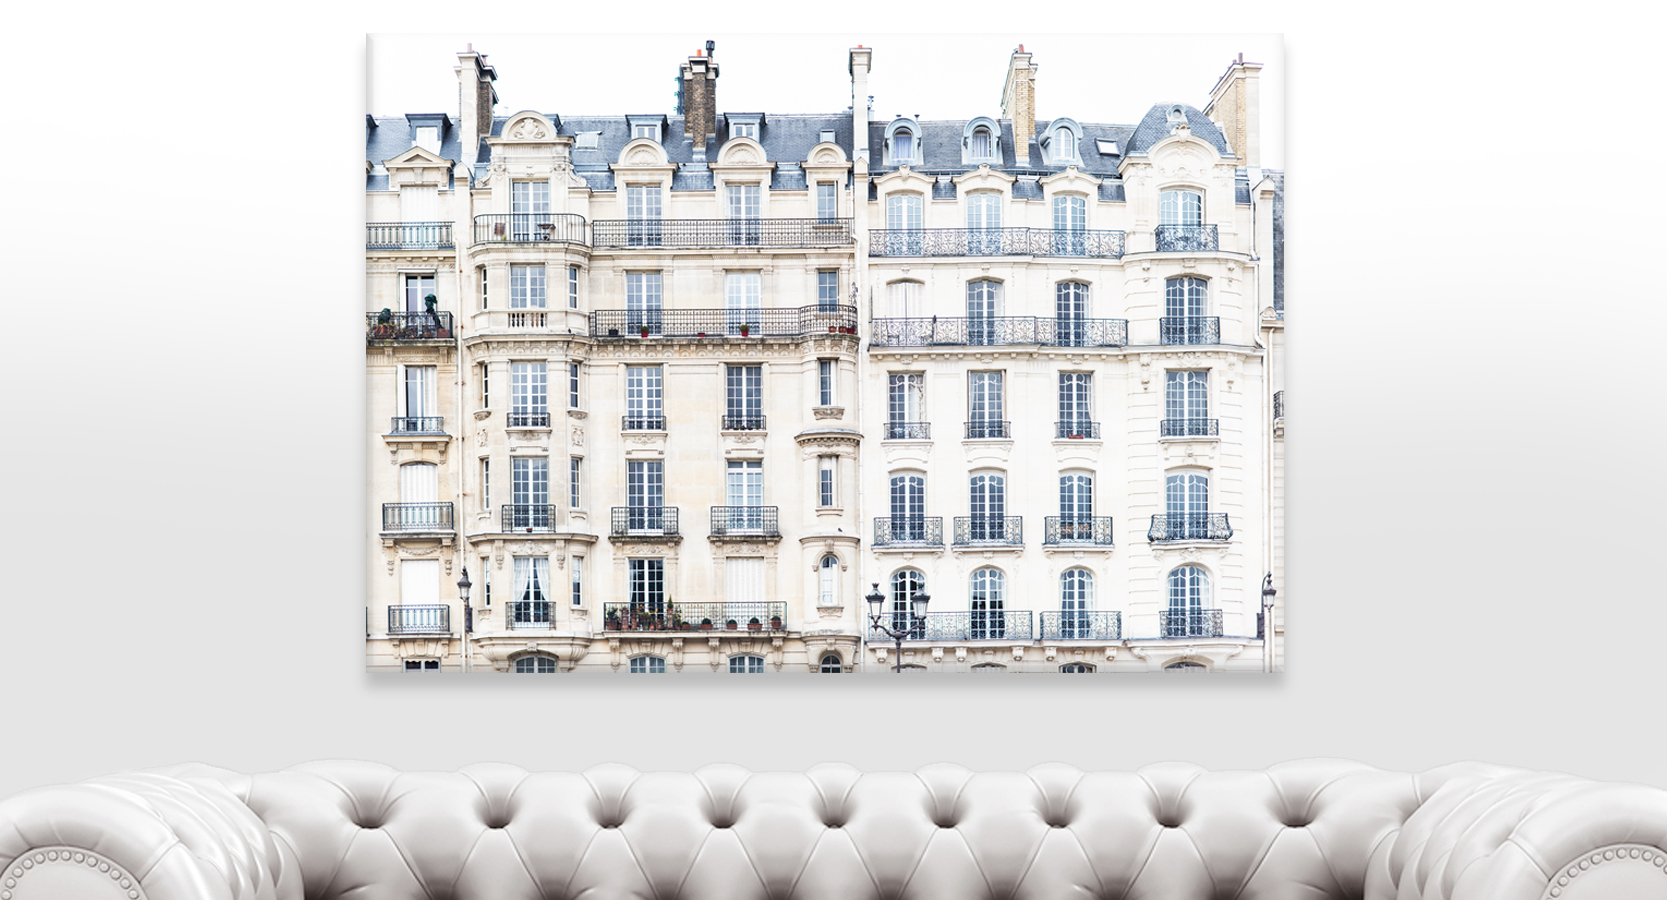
x,y
734,521
988,529
568,228
1189,428
975,625
727,324
424,618
408,236
749,615
645,521
527,420
1189,623
527,517
981,331
908,431
1193,238
995,242
1189,527
529,614
1076,529
1082,625
892,531
408,326
1077,428
418,425
642,423
416,517
743,423
1279,404
716,234
1189,330
989,428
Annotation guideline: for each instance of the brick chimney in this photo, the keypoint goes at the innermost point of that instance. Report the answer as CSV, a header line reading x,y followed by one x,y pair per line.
x,y
861,60
1235,103
700,98
475,98
1018,102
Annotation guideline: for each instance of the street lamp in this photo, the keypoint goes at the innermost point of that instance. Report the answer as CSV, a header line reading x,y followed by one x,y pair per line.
x,y
463,585
1268,593
916,618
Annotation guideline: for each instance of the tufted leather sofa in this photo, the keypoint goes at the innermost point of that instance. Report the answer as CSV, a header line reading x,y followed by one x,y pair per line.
x,y
1298,831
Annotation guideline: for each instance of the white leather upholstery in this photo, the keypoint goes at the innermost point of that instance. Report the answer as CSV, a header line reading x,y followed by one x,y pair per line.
x,y
1299,831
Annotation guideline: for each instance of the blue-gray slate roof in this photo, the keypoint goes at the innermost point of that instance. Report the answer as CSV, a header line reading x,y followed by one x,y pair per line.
x,y
1155,127
388,137
1278,237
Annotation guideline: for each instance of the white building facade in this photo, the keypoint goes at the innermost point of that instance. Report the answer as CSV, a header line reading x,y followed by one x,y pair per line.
x,y
689,386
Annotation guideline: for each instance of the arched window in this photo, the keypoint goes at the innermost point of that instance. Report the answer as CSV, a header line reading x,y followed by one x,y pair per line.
x,y
989,668
988,499
988,620
983,306
1060,141
1076,599
1187,505
829,580
902,143
904,217
1077,669
648,665
1180,208
1185,301
984,223
905,583
1189,594
980,141
982,145
1070,304
746,665
831,665
908,507
1076,507
535,664
1185,666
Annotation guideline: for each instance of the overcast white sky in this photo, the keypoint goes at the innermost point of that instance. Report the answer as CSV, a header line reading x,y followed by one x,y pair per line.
x,y
1108,78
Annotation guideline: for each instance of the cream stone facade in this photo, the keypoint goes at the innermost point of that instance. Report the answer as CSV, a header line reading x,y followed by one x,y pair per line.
x,y
689,386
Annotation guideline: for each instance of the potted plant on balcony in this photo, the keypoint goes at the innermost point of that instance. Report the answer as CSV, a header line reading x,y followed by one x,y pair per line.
x,y
754,625
744,329
775,623
705,624
643,331
730,625
611,623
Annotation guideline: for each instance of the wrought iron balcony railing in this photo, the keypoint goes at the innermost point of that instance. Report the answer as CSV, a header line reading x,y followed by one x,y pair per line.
x,y
1189,330
1077,428
974,625
895,531
1279,404
538,614
527,420
1189,527
745,520
1189,428
418,425
743,422
645,521
530,228
908,431
408,326
416,517
995,242
716,234
983,331
423,618
642,423
1195,238
527,517
728,324
408,236
989,428
1082,625
1077,529
988,529
1189,623
661,615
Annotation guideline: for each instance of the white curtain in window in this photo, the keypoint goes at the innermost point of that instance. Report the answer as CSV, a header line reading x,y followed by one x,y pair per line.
x,y
523,578
541,577
419,581
905,298
419,203
417,394
419,483
744,580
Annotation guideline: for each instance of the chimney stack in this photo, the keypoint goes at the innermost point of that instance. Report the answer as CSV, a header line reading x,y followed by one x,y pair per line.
x,y
1235,103
475,98
700,98
1018,102
860,59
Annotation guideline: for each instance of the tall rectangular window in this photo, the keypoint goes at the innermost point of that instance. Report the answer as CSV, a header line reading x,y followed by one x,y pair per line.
x,y
645,496
642,213
827,200
642,301
1187,403
743,298
483,293
418,288
485,485
827,292
417,400
526,287
529,404
572,385
572,287
744,387
743,207
528,602
825,480
1074,403
643,410
573,482
744,495
486,580
578,581
529,493
485,386
648,585
529,208
986,412
825,382
906,406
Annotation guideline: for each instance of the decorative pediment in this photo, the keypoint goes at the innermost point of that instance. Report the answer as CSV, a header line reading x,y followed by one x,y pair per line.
x,y
643,161
1072,179
528,126
903,179
417,166
1182,155
983,178
742,151
826,155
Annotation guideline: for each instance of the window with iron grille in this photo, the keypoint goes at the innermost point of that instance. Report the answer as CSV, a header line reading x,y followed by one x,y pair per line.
x,y
986,396
1187,395
530,485
906,397
1075,402
1180,208
642,298
744,387
643,396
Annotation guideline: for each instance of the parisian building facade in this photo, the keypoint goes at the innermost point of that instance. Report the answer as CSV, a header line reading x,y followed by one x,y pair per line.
x,y
687,393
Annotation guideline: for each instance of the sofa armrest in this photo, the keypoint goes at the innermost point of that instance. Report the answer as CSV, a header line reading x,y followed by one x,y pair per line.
x,y
143,836
1533,836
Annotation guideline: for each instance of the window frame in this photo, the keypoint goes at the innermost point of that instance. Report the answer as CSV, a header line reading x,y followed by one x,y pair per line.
x,y
646,664
535,664
827,382
749,664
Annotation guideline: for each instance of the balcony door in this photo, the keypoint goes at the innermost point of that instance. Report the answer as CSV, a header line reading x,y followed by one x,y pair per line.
x,y
1070,219
744,495
417,287
1187,499
530,492
906,394
983,223
417,398
529,205
908,508
742,208
1187,396
989,621
983,305
642,303
986,413
648,587
903,224
905,583
1180,208
642,214
743,298
1075,414
419,491
1188,587
744,397
1070,301
643,399
1076,507
645,497
1076,598
529,600
989,507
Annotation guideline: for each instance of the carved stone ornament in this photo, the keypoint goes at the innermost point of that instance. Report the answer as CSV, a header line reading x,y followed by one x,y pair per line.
x,y
578,436
529,130
743,156
642,156
827,157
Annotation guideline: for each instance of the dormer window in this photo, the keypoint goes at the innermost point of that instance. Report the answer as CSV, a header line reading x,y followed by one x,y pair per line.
x,y
744,129
903,143
827,136
428,138
425,130
646,127
981,141
745,125
1061,141
587,140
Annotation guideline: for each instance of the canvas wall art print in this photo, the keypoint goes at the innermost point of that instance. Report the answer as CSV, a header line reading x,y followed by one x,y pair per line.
x,y
824,355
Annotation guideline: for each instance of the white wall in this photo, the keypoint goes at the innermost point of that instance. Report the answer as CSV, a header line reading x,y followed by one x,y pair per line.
x,y
1475,433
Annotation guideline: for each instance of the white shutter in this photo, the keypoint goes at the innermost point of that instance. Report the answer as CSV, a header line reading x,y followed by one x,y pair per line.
x,y
419,483
419,581
419,203
744,580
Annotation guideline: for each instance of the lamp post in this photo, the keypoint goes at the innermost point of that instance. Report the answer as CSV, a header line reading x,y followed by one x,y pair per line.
x,y
916,618
1268,593
463,585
